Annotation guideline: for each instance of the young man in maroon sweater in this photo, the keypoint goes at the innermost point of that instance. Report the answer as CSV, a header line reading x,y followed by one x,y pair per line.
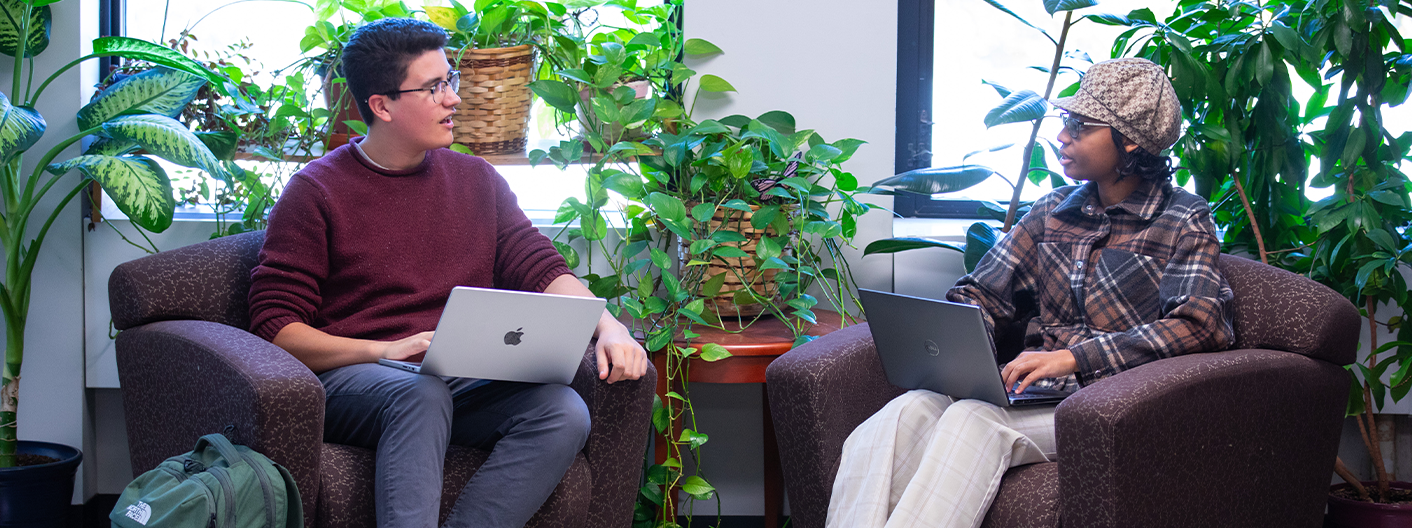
x,y
361,253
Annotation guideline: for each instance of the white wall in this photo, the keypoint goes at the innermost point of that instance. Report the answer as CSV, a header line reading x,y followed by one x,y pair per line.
x,y
52,403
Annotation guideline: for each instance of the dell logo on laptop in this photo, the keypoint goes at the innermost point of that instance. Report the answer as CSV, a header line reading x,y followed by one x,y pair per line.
x,y
932,348
512,338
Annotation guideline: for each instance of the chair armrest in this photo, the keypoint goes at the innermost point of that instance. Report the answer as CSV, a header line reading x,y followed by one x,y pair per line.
x,y
184,379
617,442
1239,438
1278,310
209,281
819,392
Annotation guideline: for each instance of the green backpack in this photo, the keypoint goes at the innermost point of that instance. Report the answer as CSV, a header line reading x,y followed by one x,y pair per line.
x,y
216,485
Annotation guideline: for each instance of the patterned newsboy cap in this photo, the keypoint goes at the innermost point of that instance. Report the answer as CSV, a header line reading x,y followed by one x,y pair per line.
x,y
1135,97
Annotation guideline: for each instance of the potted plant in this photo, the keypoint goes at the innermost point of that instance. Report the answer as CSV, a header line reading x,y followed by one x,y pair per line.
x,y
493,45
1249,146
718,216
600,60
138,111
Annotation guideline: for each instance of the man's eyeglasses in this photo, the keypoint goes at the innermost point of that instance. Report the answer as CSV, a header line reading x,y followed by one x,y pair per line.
x,y
1075,125
451,83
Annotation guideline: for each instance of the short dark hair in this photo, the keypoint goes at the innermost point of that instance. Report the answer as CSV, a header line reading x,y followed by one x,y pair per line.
x,y
1140,162
376,58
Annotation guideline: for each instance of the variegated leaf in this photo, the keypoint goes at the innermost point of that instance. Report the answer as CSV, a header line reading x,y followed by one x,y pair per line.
x,y
137,185
105,146
40,20
166,138
138,49
20,128
156,91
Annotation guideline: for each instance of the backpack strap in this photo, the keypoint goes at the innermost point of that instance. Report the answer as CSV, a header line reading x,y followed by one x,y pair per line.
x,y
221,444
294,504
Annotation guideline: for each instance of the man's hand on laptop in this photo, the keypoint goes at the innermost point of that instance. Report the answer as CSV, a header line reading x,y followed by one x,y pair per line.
x,y
617,348
1033,365
407,347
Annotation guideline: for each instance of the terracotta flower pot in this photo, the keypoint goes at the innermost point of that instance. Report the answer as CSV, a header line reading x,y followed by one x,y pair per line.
x,y
38,496
1344,513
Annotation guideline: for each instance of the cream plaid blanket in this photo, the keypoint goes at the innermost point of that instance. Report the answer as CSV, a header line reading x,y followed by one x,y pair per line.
x,y
927,460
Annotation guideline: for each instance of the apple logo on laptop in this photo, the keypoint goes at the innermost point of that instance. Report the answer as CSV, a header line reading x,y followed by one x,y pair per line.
x,y
931,348
512,338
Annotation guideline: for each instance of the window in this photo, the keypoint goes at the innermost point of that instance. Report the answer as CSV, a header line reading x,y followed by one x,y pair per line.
x,y
947,51
941,100
267,33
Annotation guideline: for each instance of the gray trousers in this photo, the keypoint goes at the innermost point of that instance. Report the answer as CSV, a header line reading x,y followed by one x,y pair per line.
x,y
532,432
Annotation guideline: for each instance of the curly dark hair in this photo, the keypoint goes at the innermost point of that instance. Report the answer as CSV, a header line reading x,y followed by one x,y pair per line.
x,y
1140,162
376,58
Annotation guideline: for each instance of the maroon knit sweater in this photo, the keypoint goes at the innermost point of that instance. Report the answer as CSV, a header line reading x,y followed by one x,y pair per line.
x,y
365,253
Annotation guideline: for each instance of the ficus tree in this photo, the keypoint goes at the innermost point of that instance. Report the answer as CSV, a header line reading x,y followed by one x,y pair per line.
x,y
1250,144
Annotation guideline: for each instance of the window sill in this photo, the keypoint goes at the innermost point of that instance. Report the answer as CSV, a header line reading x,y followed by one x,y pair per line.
x,y
949,229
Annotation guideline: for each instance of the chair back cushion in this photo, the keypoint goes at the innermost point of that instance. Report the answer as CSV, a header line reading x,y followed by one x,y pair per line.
x,y
1278,310
209,281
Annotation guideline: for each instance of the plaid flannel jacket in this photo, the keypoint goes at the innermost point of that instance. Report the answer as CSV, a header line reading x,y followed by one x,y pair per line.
x,y
1118,286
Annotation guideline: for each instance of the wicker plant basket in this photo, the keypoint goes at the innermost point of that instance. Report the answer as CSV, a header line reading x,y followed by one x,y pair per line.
x,y
736,269
493,116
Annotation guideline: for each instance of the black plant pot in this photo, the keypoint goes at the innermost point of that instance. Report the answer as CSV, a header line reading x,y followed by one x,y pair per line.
x,y
38,496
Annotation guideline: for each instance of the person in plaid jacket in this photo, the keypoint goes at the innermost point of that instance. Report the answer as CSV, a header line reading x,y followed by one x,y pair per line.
x,y
1123,269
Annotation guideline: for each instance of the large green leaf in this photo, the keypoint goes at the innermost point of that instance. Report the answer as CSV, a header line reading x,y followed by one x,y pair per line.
x,y
223,145
979,239
712,83
557,93
165,137
20,128
894,245
161,91
696,486
698,46
102,146
146,51
1022,105
779,120
137,184
937,180
40,21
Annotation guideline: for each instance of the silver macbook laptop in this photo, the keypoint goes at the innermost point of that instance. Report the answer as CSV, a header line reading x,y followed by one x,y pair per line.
x,y
942,347
509,336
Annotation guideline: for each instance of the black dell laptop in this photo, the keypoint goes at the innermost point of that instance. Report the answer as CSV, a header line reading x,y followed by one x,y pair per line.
x,y
942,347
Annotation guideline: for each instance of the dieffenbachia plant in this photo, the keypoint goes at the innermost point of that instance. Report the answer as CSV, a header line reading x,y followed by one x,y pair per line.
x,y
134,115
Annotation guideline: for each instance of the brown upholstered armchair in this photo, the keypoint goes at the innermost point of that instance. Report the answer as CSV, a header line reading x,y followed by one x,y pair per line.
x,y
188,367
1245,437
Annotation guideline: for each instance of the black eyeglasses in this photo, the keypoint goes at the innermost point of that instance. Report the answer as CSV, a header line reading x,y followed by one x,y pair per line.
x,y
1075,125
452,82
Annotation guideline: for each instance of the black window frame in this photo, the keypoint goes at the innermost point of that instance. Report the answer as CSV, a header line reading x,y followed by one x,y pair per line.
x,y
916,42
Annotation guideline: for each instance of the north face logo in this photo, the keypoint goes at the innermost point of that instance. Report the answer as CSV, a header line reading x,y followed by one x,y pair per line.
x,y
139,512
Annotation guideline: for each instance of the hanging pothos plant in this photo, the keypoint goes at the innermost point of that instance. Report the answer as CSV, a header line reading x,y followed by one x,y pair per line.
x,y
711,219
